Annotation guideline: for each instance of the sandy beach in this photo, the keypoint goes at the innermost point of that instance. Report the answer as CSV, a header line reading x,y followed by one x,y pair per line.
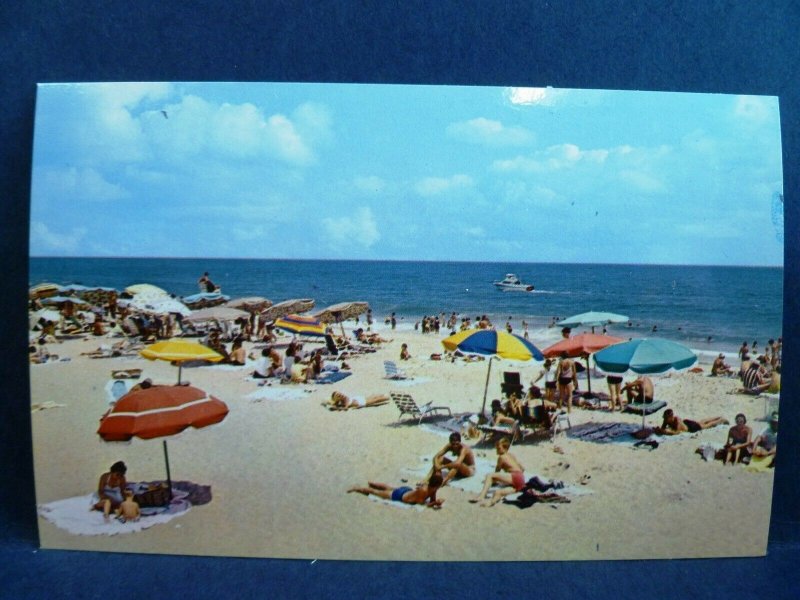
x,y
280,464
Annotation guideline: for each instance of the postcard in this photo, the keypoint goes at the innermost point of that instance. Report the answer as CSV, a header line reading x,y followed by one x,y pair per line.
x,y
396,322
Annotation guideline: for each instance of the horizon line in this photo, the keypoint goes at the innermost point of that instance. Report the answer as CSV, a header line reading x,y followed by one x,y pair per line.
x,y
423,260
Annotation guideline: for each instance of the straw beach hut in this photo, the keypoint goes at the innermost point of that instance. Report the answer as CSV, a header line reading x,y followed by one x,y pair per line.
x,y
287,307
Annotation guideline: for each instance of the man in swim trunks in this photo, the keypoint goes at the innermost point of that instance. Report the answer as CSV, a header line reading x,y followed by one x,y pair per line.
x,y
462,466
424,493
673,424
638,389
511,479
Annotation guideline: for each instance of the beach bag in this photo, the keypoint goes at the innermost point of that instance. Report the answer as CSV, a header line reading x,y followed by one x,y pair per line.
x,y
156,495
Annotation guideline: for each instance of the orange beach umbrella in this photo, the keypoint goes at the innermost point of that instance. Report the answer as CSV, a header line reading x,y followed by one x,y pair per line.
x,y
581,345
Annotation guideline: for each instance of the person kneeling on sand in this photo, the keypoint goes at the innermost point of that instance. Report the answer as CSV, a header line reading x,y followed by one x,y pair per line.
x,y
512,477
340,401
673,424
424,493
129,509
462,466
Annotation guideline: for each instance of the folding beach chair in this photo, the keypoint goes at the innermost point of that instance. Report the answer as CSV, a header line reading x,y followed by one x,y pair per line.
x,y
405,403
392,371
511,384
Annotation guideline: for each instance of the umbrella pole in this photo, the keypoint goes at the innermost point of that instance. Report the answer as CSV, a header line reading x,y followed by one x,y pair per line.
x,y
169,477
486,387
180,366
588,377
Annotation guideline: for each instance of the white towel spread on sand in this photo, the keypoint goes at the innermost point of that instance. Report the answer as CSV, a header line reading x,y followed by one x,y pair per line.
x,y
277,393
74,515
396,504
410,381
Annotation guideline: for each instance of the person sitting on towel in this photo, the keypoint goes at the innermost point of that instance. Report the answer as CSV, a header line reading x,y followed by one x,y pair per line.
x,y
755,379
463,465
766,444
639,390
673,424
720,368
129,509
423,493
739,440
111,489
509,474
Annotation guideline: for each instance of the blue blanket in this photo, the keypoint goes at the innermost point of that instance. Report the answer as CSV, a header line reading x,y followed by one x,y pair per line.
x,y
333,376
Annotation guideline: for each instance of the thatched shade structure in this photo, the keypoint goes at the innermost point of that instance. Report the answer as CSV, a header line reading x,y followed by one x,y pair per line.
x,y
337,313
287,307
251,304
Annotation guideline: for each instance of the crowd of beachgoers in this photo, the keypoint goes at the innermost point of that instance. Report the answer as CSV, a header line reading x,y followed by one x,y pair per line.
x,y
541,437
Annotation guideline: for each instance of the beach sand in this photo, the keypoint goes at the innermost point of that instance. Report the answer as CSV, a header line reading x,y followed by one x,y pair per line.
x,y
280,469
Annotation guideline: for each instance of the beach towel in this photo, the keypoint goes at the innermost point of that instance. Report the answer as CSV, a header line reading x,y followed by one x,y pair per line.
x,y
331,376
603,433
760,464
277,393
648,408
409,382
76,516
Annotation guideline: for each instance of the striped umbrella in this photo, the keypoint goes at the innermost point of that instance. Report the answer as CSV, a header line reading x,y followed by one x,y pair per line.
x,y
301,325
160,411
180,351
489,342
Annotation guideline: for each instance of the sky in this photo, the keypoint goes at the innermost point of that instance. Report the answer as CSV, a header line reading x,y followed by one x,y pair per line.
x,y
397,172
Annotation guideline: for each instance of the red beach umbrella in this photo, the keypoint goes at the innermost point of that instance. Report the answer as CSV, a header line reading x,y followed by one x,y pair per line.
x,y
160,411
582,345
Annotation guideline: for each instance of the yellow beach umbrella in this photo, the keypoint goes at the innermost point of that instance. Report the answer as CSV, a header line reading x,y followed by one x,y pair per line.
x,y
180,351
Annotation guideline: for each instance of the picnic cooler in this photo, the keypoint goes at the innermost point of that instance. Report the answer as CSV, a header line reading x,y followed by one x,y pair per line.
x,y
155,495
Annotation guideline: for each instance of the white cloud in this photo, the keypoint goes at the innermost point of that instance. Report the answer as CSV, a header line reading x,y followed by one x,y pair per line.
x,y
369,184
44,240
642,181
432,186
75,183
487,131
475,231
755,109
357,230
532,96
552,159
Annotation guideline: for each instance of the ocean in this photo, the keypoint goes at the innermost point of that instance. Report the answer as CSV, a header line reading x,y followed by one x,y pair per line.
x,y
685,303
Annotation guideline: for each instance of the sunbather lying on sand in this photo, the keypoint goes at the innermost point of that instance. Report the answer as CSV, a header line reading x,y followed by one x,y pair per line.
x,y
422,494
512,477
462,466
673,424
339,401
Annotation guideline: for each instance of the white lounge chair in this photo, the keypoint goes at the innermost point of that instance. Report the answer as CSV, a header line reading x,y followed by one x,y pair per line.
x,y
392,370
405,403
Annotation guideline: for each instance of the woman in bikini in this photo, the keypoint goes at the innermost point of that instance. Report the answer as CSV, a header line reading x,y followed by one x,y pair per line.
x,y
111,489
739,440
509,474
340,401
423,493
567,377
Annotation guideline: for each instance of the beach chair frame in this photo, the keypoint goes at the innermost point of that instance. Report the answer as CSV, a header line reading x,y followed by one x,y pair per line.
x,y
407,406
393,371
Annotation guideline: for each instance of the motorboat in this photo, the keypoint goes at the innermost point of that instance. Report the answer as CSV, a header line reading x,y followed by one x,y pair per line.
x,y
511,283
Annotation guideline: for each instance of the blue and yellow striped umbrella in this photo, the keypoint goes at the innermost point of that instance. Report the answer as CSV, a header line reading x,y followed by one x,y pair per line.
x,y
492,343
301,325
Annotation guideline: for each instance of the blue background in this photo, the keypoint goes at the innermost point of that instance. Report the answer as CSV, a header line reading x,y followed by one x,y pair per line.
x,y
725,47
